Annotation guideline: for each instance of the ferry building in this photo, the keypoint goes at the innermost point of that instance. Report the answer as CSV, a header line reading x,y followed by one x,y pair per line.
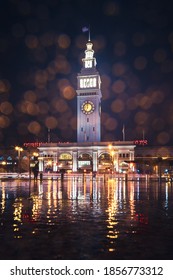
x,y
89,152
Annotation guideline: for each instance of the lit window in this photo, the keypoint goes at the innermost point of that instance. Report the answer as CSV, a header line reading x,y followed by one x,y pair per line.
x,y
89,54
81,83
94,82
88,64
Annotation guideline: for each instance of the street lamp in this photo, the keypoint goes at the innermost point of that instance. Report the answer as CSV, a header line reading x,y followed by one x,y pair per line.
x,y
19,150
35,154
4,169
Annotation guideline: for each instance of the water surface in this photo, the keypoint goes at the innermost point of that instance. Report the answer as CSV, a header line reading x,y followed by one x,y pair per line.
x,y
88,219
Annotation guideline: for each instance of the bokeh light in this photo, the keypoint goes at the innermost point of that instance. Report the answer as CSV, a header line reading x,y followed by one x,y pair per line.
x,y
4,121
140,63
6,108
51,122
141,118
31,41
110,124
68,92
119,69
34,127
63,41
30,95
117,106
163,138
43,107
111,8
4,86
60,105
118,86
41,47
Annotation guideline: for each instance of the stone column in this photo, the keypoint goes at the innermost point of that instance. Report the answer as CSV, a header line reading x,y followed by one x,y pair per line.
x,y
40,159
74,161
95,161
117,162
131,155
55,162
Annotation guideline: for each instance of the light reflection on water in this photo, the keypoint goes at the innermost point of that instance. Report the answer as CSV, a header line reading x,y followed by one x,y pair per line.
x,y
78,219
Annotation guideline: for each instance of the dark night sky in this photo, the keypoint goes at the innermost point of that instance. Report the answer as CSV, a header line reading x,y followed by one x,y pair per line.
x,y
41,46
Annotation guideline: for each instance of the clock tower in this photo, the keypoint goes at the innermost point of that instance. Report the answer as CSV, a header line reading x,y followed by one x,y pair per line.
x,y
88,99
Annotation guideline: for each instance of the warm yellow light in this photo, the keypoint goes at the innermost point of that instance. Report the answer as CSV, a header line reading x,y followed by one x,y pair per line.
x,y
17,148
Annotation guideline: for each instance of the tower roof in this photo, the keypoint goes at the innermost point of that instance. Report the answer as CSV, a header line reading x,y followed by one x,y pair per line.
x,y
89,61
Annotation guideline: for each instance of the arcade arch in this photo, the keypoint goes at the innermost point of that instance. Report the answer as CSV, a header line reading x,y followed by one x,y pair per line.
x,y
65,161
85,161
105,162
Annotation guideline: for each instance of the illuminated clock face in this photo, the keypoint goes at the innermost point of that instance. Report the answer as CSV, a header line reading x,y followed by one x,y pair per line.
x,y
87,107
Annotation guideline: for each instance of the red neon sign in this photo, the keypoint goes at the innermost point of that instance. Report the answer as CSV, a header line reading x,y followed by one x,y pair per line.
x,y
141,142
32,144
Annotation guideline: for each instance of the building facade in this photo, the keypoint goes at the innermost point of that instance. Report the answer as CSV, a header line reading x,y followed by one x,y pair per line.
x,y
115,156
89,152
95,156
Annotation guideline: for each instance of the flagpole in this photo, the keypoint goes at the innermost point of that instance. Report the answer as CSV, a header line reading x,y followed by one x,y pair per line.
x,y
89,33
87,29
123,131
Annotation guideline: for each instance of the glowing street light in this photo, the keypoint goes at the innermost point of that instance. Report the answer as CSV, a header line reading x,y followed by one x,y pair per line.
x,y
19,150
35,154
